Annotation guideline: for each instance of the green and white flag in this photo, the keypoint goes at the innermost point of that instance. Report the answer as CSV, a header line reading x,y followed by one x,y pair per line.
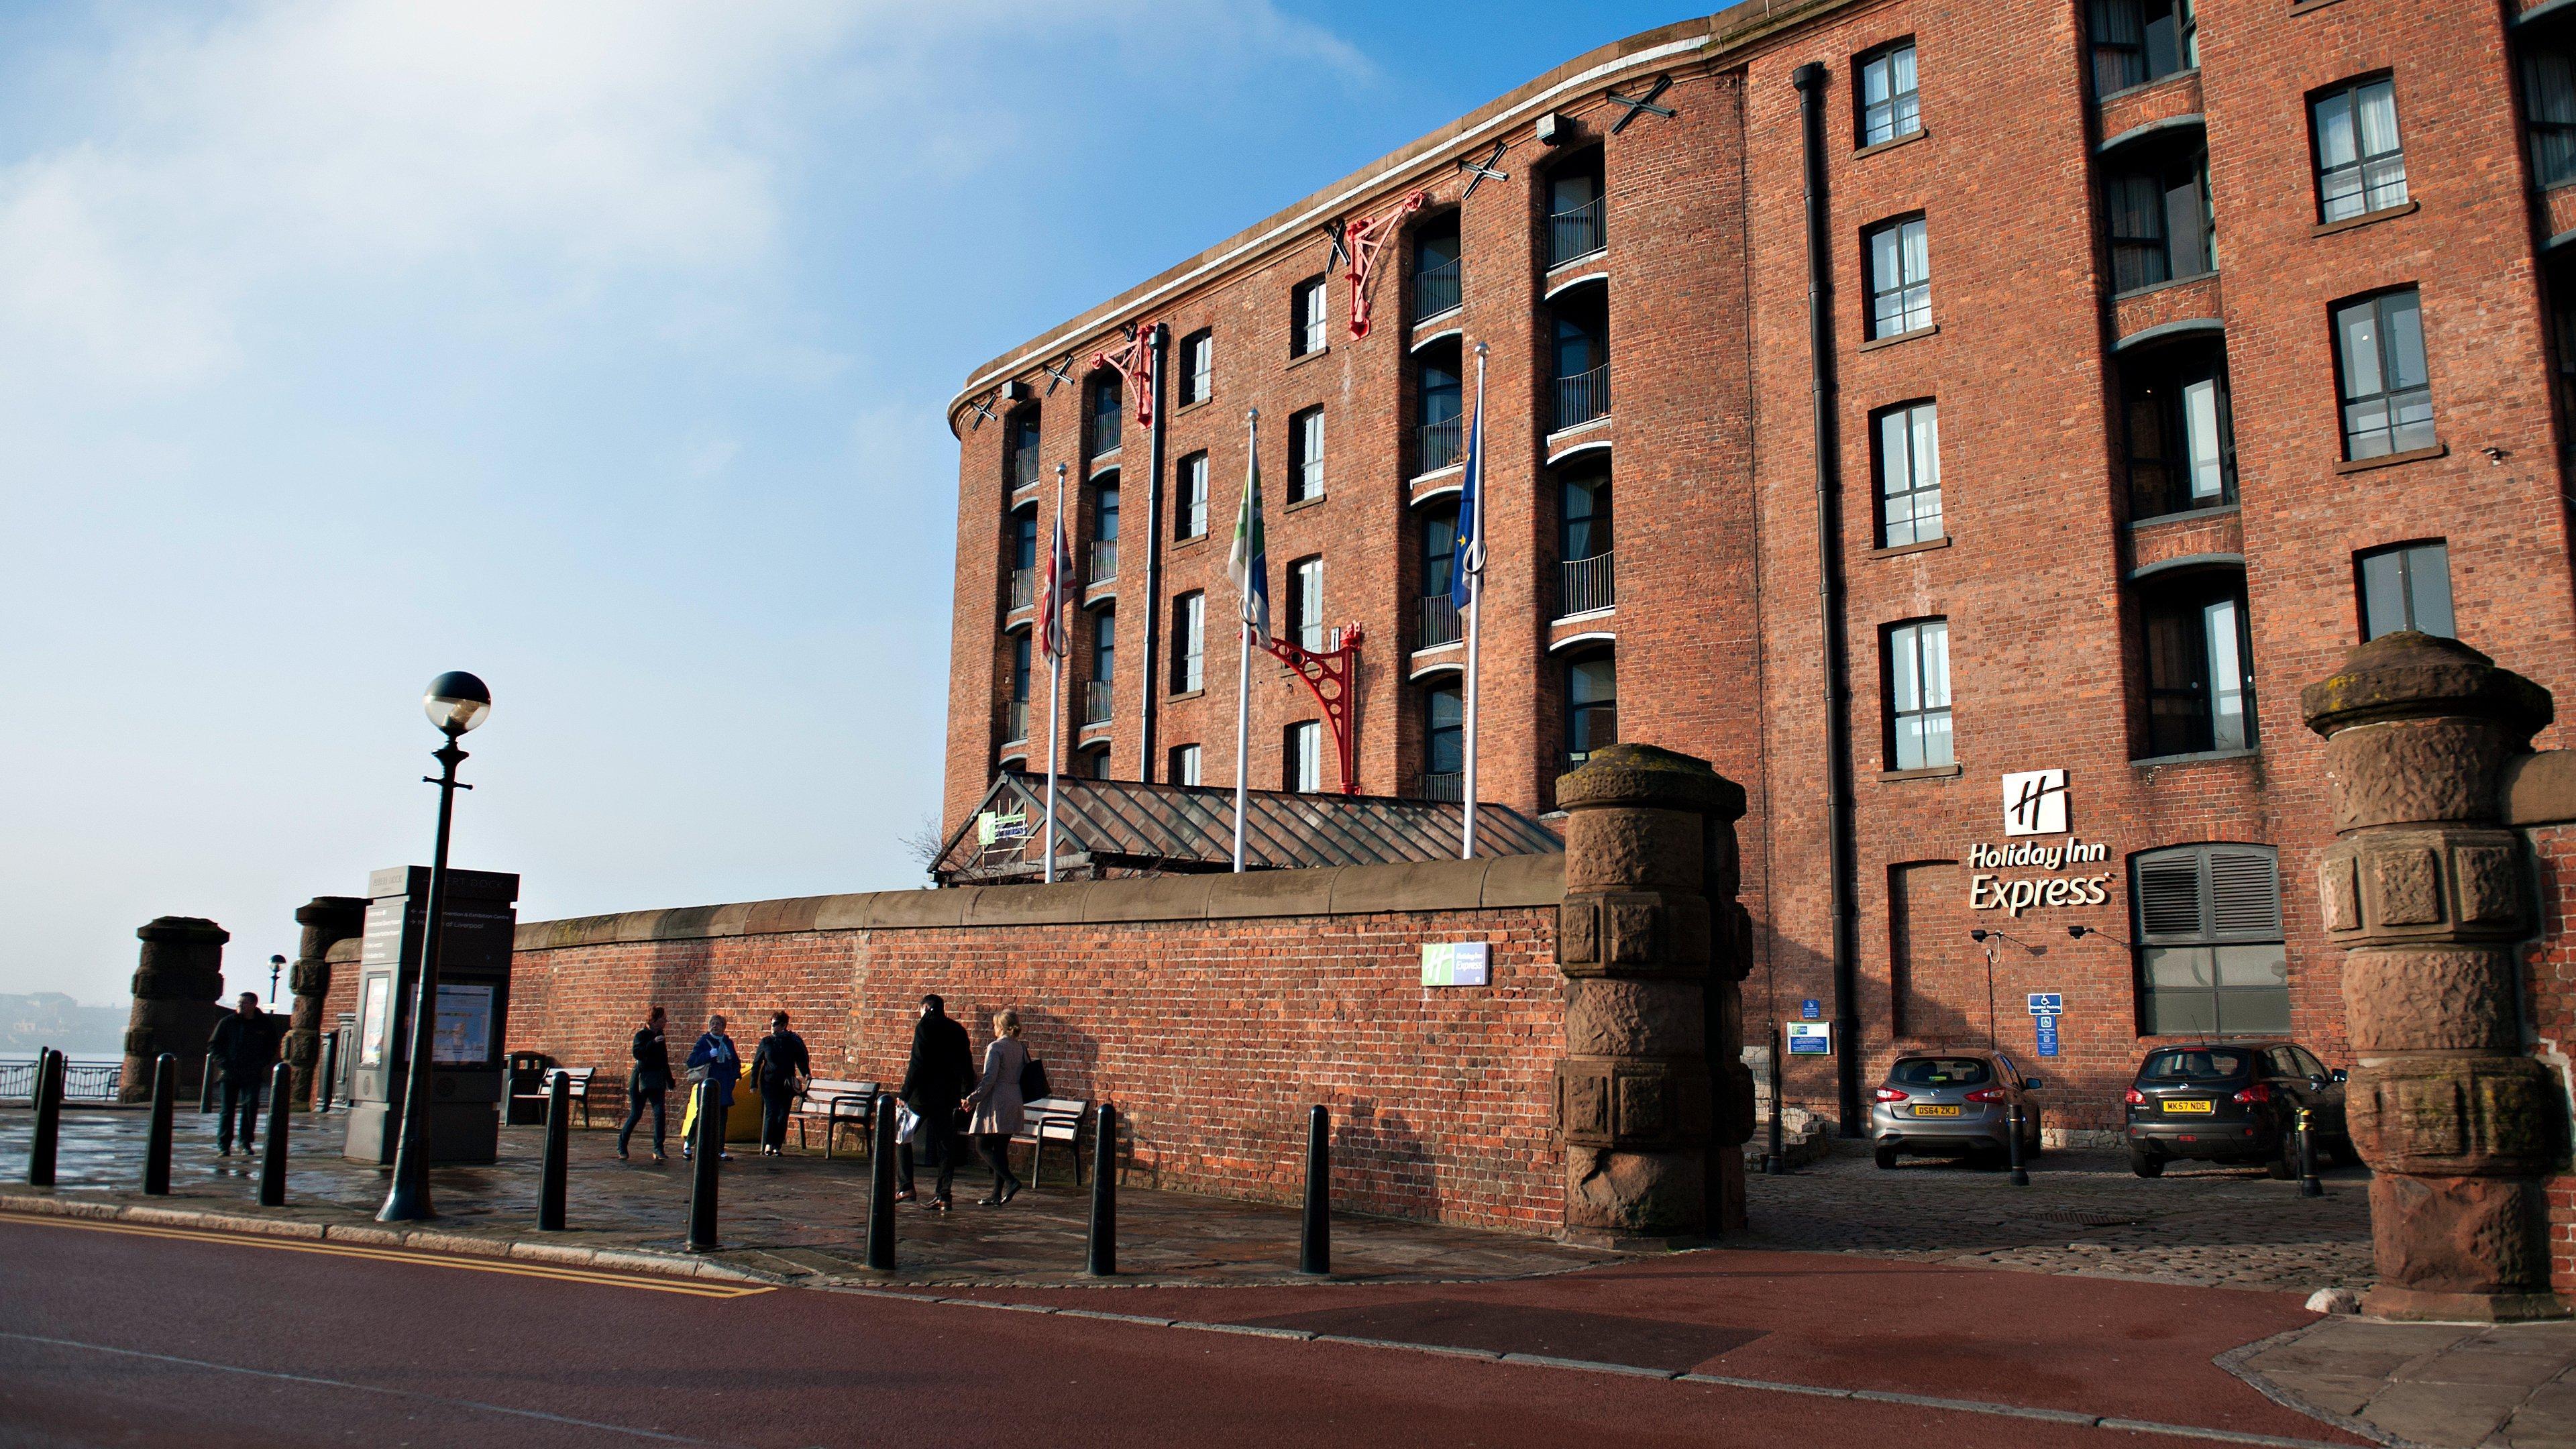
x,y
1248,562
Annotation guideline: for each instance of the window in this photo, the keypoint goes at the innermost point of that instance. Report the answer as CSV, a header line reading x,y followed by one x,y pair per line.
x,y
1184,765
2181,441
1306,455
1582,355
2549,106
1020,450
1302,758
1435,267
2387,394
2562,338
1105,405
1093,764
1900,278
1918,695
1024,558
2360,167
2200,668
1104,646
1198,367
1306,603
1438,622
1574,209
1909,475
1015,710
1309,317
1444,743
1439,399
1585,582
1889,105
2136,41
1591,707
1104,534
1189,643
2406,587
2210,953
1190,507
2158,205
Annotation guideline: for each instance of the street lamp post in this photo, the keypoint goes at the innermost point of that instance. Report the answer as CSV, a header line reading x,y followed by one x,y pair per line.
x,y
276,965
456,702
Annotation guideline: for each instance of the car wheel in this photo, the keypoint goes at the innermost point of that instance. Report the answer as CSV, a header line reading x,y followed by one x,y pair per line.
x,y
2145,1163
2283,1163
1886,1157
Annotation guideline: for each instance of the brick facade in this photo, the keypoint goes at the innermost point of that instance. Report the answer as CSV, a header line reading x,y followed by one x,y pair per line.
x,y
2041,570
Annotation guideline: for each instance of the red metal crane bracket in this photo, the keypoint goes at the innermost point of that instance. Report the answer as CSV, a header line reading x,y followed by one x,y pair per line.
x,y
1134,360
1333,677
1360,242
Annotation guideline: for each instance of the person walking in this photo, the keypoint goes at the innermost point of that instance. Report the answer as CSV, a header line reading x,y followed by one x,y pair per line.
x,y
999,1111
779,1069
715,1066
650,1081
935,1079
244,1047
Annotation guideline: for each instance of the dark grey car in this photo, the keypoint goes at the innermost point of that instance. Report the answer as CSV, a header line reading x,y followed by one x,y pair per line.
x,y
1953,1104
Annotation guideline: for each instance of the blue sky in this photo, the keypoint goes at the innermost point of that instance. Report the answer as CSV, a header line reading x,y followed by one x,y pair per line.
x,y
597,348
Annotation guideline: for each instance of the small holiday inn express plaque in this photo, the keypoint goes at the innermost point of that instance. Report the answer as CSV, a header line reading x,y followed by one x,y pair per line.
x,y
1457,963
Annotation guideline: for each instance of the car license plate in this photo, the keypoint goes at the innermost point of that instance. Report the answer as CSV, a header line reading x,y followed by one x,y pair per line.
x,y
2188,1104
1936,1111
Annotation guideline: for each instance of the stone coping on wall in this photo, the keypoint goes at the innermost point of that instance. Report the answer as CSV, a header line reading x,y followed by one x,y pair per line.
x,y
2540,788
1446,885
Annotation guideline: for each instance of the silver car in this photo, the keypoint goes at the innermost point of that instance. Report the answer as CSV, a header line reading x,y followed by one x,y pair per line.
x,y
1953,1104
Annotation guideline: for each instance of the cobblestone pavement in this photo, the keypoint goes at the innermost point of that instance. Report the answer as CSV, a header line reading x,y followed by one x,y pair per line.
x,y
2084,1212
2441,1385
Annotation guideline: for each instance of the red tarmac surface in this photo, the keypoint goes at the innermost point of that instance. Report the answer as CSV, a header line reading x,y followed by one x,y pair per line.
x,y
139,1338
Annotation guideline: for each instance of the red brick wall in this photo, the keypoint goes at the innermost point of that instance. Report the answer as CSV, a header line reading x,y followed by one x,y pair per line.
x,y
1212,1038
2550,972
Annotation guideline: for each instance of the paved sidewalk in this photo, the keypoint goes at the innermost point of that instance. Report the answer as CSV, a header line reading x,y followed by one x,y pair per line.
x,y
2448,1386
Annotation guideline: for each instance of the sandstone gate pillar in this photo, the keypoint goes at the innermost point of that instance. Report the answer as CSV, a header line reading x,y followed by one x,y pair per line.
x,y
1653,1099
2428,895
327,921
177,988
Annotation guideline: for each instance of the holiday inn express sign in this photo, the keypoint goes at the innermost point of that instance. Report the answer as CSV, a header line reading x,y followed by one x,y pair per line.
x,y
2035,807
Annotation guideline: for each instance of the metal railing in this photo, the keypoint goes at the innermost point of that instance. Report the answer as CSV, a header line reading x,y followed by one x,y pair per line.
x,y
1441,785
1582,397
1024,469
1015,721
1096,697
1024,588
1438,624
1439,447
1575,232
82,1081
1104,560
1435,290
1585,584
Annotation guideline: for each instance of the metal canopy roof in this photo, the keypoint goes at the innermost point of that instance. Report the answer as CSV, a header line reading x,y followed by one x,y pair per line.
x,y
1127,827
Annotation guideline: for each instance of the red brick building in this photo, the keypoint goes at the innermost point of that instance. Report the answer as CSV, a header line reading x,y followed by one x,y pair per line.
x,y
1881,400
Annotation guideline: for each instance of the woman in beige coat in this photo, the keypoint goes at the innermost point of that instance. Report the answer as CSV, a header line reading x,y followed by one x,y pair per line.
x,y
997,1107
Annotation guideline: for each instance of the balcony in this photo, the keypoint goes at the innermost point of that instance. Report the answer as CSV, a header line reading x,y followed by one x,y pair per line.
x,y
1438,624
1104,561
1024,588
1582,397
1575,232
1440,785
1024,469
1435,290
1015,722
1585,585
1096,697
1439,446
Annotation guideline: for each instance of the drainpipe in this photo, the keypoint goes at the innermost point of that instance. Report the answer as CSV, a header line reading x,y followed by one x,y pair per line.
x,y
1152,651
1810,81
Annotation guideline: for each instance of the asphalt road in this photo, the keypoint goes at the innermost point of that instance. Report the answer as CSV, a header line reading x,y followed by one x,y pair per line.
x,y
114,1335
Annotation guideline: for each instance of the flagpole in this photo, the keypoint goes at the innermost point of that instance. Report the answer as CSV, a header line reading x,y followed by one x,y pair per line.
x,y
1475,614
1243,669
1053,615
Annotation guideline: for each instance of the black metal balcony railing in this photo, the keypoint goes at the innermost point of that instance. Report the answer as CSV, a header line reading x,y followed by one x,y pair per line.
x,y
1435,290
1015,721
1024,469
1575,232
1024,588
1441,785
1096,697
1585,584
1439,446
1439,623
1582,397
1104,560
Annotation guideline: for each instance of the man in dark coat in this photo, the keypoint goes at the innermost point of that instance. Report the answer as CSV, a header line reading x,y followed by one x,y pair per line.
x,y
245,1047
776,1065
649,1083
936,1079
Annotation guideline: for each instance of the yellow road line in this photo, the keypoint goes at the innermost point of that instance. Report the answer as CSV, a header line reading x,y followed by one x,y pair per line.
x,y
562,1273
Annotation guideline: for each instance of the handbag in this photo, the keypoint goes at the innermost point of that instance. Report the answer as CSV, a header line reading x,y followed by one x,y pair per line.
x,y
696,1074
906,1121
1033,1081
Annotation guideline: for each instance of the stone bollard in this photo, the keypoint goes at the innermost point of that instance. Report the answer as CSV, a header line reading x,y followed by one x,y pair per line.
x,y
327,921
177,990
2426,894
1649,939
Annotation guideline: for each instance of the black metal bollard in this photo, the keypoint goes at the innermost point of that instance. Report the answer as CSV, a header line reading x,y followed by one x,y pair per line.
x,y
272,1160
702,1186
1777,1163
557,1164
2309,1186
156,1144
881,1155
1103,1257
206,1087
1315,1244
2020,1174
328,1074
49,1118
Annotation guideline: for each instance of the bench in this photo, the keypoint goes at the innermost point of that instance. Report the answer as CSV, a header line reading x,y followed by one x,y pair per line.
x,y
1053,1119
577,1088
836,1104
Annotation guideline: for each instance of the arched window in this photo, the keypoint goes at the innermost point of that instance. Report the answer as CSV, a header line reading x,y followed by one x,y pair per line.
x,y
2200,662
1581,391
1024,557
1020,448
1438,401
2210,952
1099,691
1104,533
1591,706
1107,400
1574,210
1444,743
1438,623
1435,267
